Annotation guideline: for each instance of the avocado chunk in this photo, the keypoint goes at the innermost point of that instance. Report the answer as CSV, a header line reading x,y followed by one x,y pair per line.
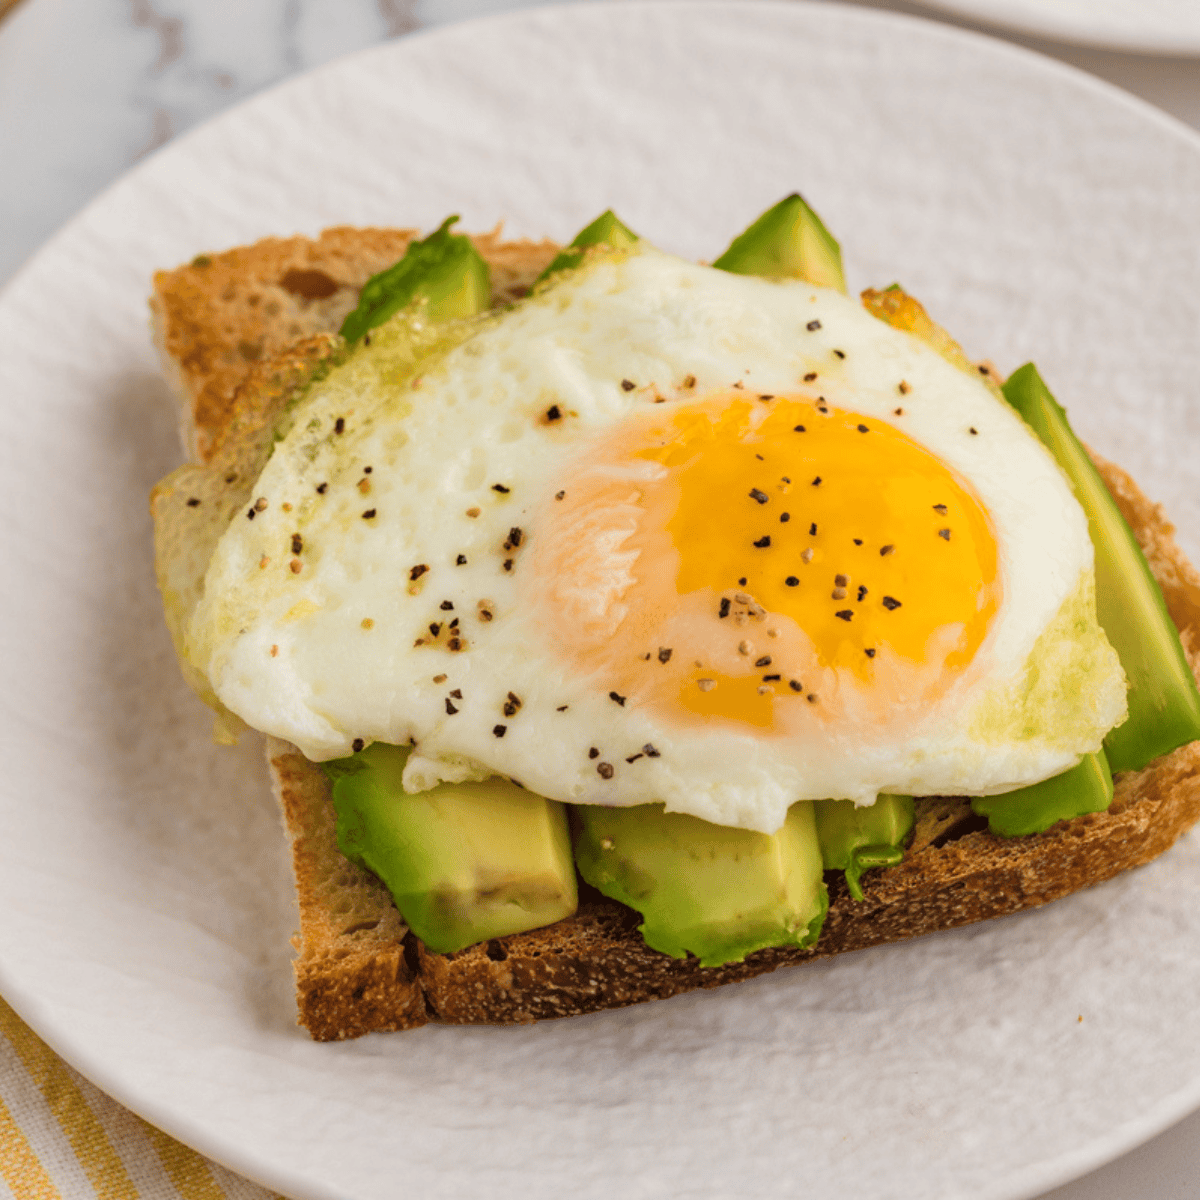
x,y
606,230
854,839
711,890
1164,705
788,241
445,268
1085,788
464,862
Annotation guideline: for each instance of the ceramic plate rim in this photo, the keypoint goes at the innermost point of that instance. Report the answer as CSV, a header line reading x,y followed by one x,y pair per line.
x,y
1002,15
79,1053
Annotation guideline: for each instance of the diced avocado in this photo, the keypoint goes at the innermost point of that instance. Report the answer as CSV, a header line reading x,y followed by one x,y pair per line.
x,y
464,862
855,839
1085,788
1164,705
788,241
716,892
606,230
445,268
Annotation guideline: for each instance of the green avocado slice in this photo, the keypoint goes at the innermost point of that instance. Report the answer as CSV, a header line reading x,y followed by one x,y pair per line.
x,y
789,241
854,839
1164,705
606,230
710,890
465,862
445,268
1085,788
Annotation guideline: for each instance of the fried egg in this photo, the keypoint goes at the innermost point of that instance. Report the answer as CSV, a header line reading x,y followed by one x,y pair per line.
x,y
664,533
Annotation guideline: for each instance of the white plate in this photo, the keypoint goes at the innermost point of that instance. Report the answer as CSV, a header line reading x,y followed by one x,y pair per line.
x,y
146,901
1143,26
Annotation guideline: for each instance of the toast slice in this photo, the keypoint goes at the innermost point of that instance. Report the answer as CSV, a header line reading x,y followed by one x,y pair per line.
x,y
215,318
239,332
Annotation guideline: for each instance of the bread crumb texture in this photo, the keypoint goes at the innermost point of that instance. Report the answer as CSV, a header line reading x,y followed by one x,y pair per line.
x,y
222,313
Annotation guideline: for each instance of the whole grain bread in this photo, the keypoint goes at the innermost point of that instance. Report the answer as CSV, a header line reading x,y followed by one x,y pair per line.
x,y
240,332
219,315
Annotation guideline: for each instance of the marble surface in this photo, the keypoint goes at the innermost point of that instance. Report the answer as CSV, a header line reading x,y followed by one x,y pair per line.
x,y
89,87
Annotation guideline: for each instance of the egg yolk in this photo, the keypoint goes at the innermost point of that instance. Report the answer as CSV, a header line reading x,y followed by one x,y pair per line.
x,y
768,562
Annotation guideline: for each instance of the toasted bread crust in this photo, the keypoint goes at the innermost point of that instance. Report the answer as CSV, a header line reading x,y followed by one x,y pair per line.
x,y
351,973
221,313
226,325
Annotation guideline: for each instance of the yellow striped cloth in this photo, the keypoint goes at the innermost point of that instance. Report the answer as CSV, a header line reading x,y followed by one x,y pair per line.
x,y
61,1138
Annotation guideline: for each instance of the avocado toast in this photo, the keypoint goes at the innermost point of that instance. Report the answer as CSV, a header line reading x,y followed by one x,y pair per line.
x,y
225,323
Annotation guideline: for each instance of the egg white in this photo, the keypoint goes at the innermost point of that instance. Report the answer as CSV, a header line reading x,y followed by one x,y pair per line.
x,y
327,654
